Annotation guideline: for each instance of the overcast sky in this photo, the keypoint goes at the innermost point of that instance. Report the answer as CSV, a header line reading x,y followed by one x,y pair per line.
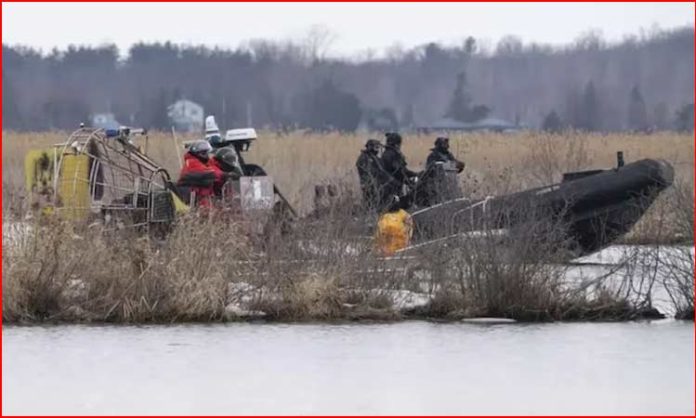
x,y
356,26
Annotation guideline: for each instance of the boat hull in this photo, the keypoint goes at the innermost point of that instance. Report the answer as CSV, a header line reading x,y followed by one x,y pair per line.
x,y
595,209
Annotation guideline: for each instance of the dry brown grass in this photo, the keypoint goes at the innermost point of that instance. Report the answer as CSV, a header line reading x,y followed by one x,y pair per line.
x,y
496,163
58,273
55,270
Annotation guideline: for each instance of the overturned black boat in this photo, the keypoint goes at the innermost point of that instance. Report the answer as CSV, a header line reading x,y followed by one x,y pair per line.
x,y
596,207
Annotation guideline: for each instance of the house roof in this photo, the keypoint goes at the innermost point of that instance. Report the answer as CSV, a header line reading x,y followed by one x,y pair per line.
x,y
184,103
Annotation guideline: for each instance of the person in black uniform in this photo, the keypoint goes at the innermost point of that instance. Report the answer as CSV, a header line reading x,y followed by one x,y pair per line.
x,y
394,164
436,185
442,154
371,173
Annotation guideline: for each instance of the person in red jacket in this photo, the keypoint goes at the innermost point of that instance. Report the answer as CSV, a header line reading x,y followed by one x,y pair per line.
x,y
198,174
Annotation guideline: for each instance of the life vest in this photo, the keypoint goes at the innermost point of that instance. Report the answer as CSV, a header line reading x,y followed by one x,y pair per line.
x,y
194,167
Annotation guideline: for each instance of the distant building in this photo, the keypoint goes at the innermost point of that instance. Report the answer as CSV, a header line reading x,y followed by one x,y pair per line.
x,y
187,116
486,124
105,121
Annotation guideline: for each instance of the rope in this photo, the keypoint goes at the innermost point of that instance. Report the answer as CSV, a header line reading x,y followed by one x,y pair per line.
x,y
483,203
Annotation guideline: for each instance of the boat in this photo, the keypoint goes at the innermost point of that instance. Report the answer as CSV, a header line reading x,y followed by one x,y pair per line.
x,y
596,207
103,176
100,175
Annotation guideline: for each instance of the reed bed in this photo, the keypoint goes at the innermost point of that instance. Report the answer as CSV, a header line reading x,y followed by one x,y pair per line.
x,y
495,163
209,270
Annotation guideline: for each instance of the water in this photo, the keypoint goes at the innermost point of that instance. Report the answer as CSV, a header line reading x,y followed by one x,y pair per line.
x,y
403,368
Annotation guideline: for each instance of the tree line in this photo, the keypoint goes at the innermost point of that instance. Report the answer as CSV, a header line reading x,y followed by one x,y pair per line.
x,y
642,83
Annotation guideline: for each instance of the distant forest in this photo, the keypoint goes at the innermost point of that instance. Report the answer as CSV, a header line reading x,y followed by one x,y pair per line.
x,y
643,83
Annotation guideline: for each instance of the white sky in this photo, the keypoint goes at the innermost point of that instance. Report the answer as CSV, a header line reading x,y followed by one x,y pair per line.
x,y
356,26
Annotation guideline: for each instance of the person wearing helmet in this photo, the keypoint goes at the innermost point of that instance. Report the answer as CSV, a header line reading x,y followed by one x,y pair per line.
x,y
441,154
241,146
212,132
197,174
227,160
439,182
225,163
394,164
215,140
371,173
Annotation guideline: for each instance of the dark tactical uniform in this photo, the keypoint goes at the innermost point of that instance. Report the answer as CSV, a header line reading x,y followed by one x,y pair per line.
x,y
371,173
394,164
439,182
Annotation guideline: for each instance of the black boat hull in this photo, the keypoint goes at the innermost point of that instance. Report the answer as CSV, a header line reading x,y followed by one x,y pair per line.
x,y
596,208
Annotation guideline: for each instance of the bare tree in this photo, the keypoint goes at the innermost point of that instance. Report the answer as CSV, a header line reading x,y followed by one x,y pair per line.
x,y
317,43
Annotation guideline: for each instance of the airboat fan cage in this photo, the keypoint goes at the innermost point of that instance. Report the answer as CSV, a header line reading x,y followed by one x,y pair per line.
x,y
102,174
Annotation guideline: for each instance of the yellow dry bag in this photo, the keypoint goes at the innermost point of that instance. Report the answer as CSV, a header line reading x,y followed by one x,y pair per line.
x,y
394,230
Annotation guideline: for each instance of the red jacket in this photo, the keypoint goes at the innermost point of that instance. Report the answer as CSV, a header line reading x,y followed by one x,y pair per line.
x,y
200,177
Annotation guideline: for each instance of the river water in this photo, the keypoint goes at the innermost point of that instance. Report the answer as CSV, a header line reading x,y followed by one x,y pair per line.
x,y
402,368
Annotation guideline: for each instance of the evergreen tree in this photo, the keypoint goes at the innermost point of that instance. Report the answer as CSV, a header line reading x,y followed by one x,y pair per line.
x,y
470,45
460,107
54,88
11,115
685,118
329,108
552,123
64,112
479,112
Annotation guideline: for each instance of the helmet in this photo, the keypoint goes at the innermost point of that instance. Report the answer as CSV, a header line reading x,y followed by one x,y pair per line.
x,y
212,132
211,126
228,159
215,140
393,138
372,145
442,143
200,149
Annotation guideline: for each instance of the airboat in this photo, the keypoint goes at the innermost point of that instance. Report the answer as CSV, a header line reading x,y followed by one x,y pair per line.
x,y
102,176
